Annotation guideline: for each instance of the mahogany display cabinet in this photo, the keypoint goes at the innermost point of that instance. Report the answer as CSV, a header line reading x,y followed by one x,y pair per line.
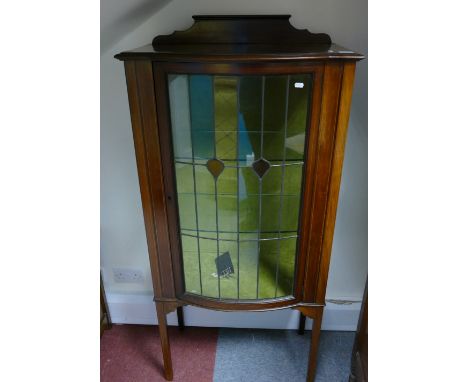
x,y
239,125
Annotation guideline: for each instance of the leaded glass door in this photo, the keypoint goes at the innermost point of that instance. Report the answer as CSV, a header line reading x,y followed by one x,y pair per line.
x,y
238,144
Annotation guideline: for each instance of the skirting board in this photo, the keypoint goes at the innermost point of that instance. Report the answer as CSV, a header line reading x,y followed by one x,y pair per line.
x,y
140,309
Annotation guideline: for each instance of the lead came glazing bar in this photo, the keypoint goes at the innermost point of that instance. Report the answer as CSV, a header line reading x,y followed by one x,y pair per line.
x,y
262,116
243,240
216,184
280,213
237,188
260,184
232,194
295,163
195,197
235,232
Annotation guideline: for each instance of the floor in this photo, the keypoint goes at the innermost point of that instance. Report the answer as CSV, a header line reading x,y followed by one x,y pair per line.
x,y
132,353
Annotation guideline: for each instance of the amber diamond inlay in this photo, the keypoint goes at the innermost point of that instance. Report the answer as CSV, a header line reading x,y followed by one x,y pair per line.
x,y
261,167
215,166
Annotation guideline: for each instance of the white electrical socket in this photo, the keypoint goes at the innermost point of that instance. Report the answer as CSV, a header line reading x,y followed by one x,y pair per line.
x,y
127,275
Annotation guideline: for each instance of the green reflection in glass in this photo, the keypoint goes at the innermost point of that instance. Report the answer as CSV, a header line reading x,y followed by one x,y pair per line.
x,y
190,258
225,104
229,284
286,266
267,270
250,117
276,91
208,249
271,182
248,267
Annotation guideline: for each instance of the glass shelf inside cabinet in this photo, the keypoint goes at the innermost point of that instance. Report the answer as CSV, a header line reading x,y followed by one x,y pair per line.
x,y
238,144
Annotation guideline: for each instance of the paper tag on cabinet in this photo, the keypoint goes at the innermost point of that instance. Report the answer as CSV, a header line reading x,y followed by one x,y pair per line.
x,y
224,265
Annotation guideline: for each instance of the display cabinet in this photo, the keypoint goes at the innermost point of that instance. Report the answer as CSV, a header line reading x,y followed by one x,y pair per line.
x,y
239,126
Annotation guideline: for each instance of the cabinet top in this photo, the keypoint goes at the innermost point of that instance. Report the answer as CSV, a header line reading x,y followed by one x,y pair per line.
x,y
241,38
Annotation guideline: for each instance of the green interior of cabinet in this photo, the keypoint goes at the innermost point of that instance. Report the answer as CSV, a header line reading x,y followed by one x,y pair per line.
x,y
238,144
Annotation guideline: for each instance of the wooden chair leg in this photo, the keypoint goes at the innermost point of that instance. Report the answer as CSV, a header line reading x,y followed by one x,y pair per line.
x,y
314,344
302,321
166,348
180,317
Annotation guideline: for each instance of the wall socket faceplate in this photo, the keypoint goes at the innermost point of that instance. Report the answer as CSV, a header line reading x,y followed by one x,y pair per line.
x,y
128,275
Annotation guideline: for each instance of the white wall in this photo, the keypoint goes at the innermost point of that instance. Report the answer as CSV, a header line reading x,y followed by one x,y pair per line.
x,y
122,228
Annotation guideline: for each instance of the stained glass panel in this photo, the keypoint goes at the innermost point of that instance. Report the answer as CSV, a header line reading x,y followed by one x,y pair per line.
x,y
238,144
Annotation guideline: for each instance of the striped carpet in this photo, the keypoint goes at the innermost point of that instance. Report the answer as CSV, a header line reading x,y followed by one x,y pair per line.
x,y
132,353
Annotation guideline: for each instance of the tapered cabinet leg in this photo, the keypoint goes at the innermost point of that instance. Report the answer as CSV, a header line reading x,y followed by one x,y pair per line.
x,y
165,346
180,317
314,344
302,321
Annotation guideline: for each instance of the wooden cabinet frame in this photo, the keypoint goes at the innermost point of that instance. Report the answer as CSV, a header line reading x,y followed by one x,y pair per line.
x,y
146,74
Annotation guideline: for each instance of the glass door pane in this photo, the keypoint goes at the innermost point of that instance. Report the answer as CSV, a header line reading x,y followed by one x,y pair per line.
x,y
238,144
